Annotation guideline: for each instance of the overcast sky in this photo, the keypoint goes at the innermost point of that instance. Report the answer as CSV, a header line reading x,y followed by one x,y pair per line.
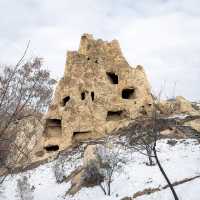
x,y
161,35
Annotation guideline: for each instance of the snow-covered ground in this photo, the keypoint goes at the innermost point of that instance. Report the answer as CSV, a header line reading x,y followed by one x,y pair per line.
x,y
189,191
180,161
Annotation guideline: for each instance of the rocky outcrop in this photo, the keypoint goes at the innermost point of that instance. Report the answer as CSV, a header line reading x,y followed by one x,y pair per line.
x,y
195,124
88,175
26,137
180,105
100,92
90,154
185,106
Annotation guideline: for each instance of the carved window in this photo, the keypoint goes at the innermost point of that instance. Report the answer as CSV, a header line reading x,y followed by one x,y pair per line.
x,y
116,115
112,77
53,128
128,93
53,123
52,148
92,96
82,95
65,100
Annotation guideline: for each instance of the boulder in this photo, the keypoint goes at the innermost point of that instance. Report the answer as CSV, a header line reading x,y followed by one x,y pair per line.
x,y
28,135
195,124
179,105
89,175
90,154
185,106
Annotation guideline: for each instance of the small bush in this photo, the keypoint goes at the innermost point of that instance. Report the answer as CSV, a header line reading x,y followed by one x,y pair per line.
x,y
172,142
92,175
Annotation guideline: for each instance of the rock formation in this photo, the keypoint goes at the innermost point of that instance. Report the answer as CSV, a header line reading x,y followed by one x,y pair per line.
x,y
100,92
179,105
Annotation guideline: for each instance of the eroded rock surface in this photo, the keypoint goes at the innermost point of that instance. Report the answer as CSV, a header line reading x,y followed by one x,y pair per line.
x,y
100,92
179,105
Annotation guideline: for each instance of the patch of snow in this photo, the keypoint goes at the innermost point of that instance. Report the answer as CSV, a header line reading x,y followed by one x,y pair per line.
x,y
178,116
189,191
180,161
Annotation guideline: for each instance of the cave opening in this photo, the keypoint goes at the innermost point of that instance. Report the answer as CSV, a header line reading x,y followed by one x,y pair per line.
x,y
53,127
115,115
51,147
128,93
53,122
113,78
92,96
80,132
81,135
82,95
65,100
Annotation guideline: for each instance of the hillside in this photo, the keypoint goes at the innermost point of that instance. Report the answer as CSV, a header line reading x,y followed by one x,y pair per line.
x,y
102,135
180,161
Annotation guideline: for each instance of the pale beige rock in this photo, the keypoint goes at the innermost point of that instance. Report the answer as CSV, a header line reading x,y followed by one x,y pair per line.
x,y
185,106
28,134
195,124
76,183
167,132
100,92
90,154
178,106
167,107
173,133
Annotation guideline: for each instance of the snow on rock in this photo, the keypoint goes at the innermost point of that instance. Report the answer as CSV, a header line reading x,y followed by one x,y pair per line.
x,y
178,116
179,161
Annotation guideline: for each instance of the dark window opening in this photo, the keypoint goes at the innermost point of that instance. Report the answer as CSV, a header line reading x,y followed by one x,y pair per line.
x,y
53,122
128,93
92,96
112,77
88,58
80,132
96,61
115,115
81,135
82,95
65,100
52,148
53,128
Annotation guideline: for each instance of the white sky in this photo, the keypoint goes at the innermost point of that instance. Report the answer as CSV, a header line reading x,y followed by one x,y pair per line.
x,y
161,35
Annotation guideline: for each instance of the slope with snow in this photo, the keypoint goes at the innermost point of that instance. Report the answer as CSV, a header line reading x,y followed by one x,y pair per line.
x,y
180,161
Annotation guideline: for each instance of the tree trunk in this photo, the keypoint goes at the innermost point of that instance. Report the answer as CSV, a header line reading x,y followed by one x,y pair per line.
x,y
109,184
164,174
149,157
104,191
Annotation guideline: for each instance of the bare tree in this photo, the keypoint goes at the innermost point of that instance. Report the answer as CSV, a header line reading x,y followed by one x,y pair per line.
x,y
144,136
25,90
59,169
93,176
155,136
25,191
142,140
111,161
